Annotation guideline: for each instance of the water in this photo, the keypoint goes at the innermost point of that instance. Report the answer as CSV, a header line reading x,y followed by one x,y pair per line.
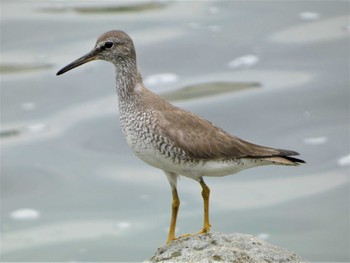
x,y
272,73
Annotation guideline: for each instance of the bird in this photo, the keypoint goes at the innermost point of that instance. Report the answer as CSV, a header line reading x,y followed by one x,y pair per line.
x,y
172,139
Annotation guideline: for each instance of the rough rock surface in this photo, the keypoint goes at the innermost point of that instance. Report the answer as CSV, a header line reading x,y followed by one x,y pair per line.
x,y
219,247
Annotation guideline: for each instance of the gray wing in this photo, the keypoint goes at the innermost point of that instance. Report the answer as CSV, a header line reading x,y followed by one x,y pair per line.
x,y
202,140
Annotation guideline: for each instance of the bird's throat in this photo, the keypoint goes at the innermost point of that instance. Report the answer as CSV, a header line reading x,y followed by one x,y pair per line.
x,y
126,80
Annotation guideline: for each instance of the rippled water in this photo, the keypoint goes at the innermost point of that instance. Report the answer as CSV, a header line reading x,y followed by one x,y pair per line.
x,y
270,72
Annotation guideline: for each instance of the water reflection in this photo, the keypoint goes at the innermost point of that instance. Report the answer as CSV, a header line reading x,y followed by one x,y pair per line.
x,y
9,133
309,16
28,106
63,232
30,129
207,90
322,30
25,214
344,161
157,80
316,140
91,8
256,193
243,62
17,68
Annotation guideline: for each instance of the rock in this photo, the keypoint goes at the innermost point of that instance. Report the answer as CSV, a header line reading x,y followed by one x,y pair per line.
x,y
219,247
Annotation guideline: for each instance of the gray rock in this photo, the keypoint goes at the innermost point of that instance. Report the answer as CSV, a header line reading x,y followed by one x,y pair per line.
x,y
219,247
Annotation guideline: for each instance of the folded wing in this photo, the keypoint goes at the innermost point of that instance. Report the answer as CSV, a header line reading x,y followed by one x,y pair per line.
x,y
203,140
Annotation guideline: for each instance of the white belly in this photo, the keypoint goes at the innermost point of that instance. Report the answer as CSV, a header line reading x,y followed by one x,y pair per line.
x,y
197,169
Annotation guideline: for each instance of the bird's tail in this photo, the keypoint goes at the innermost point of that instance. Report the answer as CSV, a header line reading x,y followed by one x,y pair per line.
x,y
285,160
285,157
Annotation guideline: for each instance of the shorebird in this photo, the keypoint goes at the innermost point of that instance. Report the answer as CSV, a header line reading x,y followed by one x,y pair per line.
x,y
172,139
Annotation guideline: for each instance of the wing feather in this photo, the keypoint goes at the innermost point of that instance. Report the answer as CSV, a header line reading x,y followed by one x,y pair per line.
x,y
203,140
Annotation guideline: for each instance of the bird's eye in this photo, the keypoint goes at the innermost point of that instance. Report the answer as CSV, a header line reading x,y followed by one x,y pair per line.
x,y
108,44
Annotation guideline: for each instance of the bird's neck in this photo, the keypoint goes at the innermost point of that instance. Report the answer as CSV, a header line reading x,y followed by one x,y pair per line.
x,y
126,79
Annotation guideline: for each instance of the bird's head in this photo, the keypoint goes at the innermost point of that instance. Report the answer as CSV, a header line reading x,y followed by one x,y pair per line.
x,y
114,46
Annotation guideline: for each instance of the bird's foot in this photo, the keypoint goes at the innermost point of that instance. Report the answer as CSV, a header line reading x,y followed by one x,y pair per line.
x,y
171,239
204,230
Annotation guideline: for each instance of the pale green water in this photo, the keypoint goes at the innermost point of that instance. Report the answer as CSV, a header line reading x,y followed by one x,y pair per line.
x,y
71,190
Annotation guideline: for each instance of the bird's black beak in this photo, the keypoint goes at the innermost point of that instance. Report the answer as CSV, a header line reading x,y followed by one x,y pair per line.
x,y
92,55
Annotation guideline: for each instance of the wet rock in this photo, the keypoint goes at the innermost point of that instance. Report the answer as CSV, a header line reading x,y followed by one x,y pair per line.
x,y
219,247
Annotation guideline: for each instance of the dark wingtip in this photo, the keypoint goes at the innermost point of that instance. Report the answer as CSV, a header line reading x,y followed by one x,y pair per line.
x,y
294,160
287,155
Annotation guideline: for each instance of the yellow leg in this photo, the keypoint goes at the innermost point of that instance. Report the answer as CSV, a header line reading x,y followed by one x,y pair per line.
x,y
205,195
174,209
